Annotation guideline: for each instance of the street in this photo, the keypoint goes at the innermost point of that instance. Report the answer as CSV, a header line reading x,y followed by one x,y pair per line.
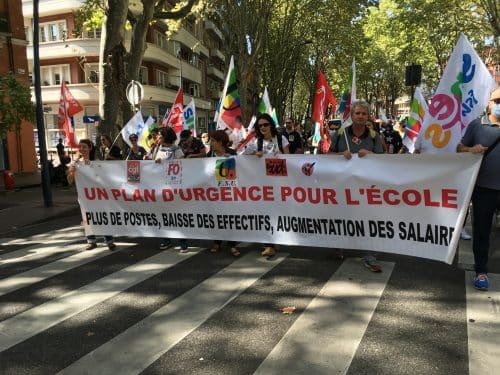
x,y
142,310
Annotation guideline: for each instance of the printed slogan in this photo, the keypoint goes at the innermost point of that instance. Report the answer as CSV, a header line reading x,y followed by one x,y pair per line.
x,y
408,204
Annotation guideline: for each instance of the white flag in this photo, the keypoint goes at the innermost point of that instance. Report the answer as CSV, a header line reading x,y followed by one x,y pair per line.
x,y
190,117
134,126
461,97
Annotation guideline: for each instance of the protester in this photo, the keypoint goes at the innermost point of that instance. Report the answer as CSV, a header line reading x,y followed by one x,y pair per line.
x,y
392,138
136,152
109,151
168,150
359,139
219,147
60,149
293,137
205,139
191,147
87,153
267,142
154,142
484,139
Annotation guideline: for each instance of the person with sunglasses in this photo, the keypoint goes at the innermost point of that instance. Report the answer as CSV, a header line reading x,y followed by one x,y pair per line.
x,y
484,139
136,152
267,142
293,137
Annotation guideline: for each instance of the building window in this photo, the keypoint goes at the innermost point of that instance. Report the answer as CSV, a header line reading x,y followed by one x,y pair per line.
x,y
143,75
162,79
94,33
194,60
194,89
54,74
53,31
92,73
160,40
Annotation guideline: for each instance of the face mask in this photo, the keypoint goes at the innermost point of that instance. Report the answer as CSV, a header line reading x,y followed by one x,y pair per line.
x,y
496,110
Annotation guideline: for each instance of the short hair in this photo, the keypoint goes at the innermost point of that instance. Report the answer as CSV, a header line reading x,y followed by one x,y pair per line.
x,y
168,135
360,103
186,133
107,138
269,119
222,137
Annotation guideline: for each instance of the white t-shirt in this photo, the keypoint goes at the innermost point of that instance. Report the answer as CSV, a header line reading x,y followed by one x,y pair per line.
x,y
268,147
169,153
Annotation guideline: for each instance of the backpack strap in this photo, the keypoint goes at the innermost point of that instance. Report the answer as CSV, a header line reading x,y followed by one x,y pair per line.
x,y
260,142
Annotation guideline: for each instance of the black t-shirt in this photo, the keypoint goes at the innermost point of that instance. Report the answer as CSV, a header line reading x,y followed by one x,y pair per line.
x,y
392,140
294,140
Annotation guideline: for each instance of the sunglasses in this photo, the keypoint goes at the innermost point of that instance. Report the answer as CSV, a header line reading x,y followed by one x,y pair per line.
x,y
496,101
133,139
265,124
288,123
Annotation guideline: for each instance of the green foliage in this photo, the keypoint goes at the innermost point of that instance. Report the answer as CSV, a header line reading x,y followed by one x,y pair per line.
x,y
15,104
89,16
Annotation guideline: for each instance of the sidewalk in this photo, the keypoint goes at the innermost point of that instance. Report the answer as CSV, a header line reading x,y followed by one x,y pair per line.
x,y
25,204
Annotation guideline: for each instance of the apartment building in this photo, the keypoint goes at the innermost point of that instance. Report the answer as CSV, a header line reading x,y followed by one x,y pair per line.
x,y
17,151
196,50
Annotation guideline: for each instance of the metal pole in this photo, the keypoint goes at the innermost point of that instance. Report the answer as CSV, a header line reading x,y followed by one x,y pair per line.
x,y
47,193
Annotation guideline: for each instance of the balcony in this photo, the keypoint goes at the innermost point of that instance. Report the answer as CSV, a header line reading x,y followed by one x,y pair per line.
x,y
160,56
85,93
217,53
51,7
185,37
214,72
68,48
214,94
210,26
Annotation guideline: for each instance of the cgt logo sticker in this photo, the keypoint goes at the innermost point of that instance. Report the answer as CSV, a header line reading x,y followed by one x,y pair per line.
x,y
276,167
133,171
308,168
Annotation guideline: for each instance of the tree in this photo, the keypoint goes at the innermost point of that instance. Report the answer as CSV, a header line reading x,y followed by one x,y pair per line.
x,y
120,65
15,104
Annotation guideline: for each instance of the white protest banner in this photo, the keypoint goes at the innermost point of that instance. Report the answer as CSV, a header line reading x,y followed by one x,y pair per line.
x,y
409,204
461,97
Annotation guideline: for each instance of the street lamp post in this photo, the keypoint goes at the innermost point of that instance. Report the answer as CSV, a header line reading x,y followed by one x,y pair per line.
x,y
42,146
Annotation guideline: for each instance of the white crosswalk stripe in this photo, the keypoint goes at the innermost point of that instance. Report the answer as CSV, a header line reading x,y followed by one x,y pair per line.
x,y
325,337
33,321
138,347
483,325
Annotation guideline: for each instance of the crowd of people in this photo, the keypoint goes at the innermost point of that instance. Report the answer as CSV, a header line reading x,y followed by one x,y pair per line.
x,y
366,135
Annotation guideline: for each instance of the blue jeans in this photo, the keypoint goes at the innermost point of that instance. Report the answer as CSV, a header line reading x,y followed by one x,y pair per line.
x,y
93,239
484,203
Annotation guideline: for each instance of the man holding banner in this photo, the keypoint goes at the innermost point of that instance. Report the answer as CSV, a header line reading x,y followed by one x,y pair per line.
x,y
359,139
484,139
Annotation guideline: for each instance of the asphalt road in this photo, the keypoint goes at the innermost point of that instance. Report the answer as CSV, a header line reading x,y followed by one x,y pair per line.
x,y
142,310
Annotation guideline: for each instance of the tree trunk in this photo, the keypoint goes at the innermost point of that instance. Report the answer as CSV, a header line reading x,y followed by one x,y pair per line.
x,y
114,72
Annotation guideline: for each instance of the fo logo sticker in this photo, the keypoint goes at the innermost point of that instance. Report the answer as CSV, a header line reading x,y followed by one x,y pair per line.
x,y
133,171
308,168
276,167
174,173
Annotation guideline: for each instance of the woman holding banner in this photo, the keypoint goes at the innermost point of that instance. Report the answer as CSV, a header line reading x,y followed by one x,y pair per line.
x,y
267,142
220,147
87,153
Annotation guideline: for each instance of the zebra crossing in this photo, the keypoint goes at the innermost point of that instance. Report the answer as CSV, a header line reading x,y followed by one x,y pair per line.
x,y
140,310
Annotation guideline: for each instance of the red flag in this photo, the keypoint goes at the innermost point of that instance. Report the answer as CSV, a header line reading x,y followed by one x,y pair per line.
x,y
322,97
68,106
176,115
